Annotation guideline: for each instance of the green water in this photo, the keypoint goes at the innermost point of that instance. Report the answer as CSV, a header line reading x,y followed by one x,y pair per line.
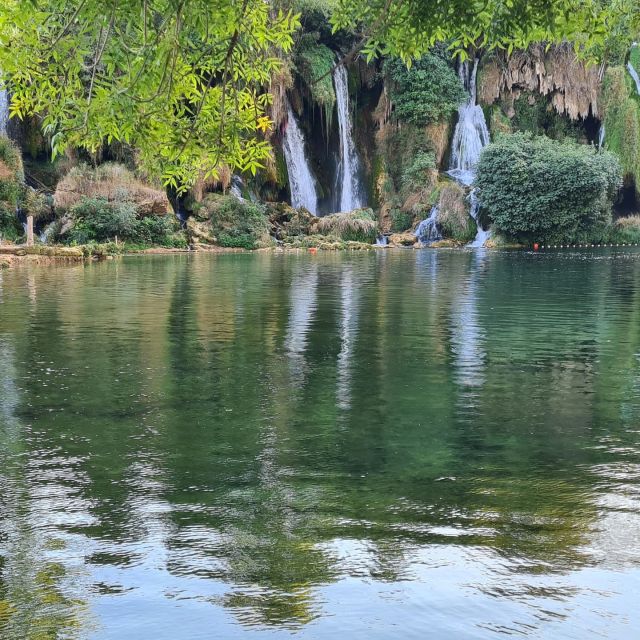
x,y
405,444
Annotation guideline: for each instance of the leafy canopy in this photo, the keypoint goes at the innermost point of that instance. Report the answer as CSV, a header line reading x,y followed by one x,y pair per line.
x,y
426,92
409,28
181,80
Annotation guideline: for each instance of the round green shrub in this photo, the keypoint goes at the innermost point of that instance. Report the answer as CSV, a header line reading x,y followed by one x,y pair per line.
x,y
426,92
537,188
235,223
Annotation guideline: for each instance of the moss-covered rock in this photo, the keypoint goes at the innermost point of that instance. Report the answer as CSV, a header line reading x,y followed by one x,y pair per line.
x,y
356,226
453,214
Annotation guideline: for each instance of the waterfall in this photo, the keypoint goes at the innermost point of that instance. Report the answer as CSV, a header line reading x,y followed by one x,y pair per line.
x,y
349,169
471,134
301,180
4,110
469,139
237,185
427,231
483,235
634,75
601,136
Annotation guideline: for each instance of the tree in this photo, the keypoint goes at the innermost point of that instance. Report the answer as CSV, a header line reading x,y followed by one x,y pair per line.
x,y
409,28
542,189
185,81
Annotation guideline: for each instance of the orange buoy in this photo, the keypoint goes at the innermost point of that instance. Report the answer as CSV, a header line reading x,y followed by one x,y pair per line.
x,y
313,249
536,246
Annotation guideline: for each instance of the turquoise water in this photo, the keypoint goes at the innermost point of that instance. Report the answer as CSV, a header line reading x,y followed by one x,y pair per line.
x,y
406,444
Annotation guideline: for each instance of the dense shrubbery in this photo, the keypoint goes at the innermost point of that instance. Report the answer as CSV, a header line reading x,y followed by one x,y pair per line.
x,y
426,92
538,188
98,220
234,223
622,122
11,189
400,220
356,226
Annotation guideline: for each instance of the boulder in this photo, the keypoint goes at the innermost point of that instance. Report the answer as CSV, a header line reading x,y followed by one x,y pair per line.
x,y
406,239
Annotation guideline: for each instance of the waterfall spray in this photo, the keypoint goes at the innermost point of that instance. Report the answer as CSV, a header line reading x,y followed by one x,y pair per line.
x,y
427,231
349,168
470,137
301,180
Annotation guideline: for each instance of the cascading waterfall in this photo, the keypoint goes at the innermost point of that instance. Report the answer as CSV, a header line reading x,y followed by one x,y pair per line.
x,y
427,231
301,180
349,169
634,75
470,137
4,110
471,134
474,211
601,136
633,71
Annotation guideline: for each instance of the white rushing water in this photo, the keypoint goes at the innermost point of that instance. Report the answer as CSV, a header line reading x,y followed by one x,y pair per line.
x,y
634,75
349,169
601,136
474,211
4,110
427,231
301,180
471,136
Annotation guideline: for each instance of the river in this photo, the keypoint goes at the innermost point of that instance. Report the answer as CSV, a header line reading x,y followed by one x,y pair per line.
x,y
398,444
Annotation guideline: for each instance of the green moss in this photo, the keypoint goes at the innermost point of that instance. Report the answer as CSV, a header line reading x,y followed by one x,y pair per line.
x,y
315,62
622,123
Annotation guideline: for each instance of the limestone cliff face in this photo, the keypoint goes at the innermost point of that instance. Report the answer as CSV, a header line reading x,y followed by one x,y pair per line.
x,y
573,86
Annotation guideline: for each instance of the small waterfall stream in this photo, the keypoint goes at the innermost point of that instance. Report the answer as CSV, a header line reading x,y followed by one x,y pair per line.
x,y
4,110
301,180
470,137
634,75
427,231
349,169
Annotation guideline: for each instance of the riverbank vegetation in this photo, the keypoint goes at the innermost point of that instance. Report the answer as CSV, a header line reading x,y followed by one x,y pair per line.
x,y
150,126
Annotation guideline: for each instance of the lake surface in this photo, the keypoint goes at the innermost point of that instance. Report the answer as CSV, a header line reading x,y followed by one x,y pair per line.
x,y
406,444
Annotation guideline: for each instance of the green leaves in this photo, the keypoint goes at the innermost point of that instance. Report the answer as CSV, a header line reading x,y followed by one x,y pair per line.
x,y
542,189
182,81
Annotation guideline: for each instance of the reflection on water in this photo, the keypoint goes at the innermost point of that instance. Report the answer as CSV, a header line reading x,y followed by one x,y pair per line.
x,y
333,446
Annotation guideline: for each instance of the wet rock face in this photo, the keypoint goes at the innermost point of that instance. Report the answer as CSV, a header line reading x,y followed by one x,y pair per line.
x,y
406,239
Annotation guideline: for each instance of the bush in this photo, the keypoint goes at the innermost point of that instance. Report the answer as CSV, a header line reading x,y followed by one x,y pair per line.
x,y
417,174
235,223
11,189
97,220
426,92
537,188
400,220
622,122
356,226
